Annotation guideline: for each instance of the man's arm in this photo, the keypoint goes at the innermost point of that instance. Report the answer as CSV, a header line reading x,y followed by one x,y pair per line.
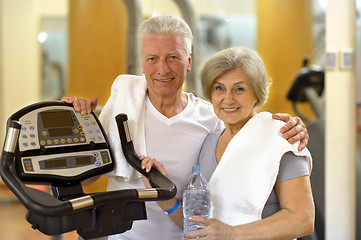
x,y
82,105
177,215
294,130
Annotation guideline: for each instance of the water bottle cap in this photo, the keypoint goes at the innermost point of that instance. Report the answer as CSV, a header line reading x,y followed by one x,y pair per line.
x,y
197,169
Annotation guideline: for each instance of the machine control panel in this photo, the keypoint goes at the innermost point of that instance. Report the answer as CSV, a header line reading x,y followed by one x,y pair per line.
x,y
65,164
56,140
56,128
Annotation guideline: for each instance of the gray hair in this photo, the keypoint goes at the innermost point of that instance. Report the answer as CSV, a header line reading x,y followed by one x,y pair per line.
x,y
167,25
237,57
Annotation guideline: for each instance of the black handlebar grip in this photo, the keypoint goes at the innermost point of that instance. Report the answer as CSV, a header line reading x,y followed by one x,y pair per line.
x,y
123,129
127,143
166,188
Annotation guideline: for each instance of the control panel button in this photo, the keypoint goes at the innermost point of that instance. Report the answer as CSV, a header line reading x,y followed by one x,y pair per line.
x,y
105,157
28,165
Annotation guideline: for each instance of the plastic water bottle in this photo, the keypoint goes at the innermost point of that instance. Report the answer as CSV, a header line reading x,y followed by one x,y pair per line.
x,y
196,199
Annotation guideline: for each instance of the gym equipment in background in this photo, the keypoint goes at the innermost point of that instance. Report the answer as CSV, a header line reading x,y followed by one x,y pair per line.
x,y
308,86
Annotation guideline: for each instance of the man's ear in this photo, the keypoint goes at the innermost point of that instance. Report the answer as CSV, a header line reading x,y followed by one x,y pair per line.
x,y
189,62
142,66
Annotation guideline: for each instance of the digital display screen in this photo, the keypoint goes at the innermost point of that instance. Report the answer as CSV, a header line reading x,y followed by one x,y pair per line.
x,y
59,132
57,163
57,119
83,160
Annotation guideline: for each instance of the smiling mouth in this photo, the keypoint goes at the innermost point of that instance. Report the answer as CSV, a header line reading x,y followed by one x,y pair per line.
x,y
230,109
164,80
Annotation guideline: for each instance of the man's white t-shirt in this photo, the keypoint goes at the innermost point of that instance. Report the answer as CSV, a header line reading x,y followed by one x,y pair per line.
x,y
176,143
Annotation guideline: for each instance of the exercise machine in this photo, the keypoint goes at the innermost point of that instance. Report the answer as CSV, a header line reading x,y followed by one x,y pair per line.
x,y
50,143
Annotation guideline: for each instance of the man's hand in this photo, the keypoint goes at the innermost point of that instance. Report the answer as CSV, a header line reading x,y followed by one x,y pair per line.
x,y
82,105
147,164
294,130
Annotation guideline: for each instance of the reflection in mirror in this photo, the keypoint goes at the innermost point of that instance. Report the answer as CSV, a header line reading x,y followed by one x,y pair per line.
x,y
53,40
217,32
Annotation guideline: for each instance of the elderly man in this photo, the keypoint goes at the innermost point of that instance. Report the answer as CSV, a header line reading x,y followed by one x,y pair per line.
x,y
166,123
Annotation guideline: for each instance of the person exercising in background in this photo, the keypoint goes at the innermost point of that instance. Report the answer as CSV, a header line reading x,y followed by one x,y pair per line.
x,y
166,123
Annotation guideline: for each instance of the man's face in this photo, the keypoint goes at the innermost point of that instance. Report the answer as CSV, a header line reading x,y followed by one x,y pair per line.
x,y
165,63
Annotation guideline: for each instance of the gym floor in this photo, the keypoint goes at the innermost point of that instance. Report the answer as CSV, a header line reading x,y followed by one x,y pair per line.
x,y
13,225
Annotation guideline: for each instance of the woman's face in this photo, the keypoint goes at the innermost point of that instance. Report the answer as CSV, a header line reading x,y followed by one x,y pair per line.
x,y
233,98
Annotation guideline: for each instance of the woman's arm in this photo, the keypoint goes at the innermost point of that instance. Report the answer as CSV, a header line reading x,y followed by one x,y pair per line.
x,y
295,219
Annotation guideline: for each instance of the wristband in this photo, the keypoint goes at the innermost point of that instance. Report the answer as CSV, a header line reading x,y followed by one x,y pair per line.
x,y
176,205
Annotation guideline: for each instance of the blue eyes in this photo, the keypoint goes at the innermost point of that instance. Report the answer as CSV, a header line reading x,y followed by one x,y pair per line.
x,y
237,89
155,59
173,58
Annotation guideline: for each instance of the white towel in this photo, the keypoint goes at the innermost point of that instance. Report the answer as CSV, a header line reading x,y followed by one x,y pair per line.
x,y
246,174
128,94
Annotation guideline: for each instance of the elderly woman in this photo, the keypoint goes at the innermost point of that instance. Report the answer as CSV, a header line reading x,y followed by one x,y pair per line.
x,y
260,185
259,182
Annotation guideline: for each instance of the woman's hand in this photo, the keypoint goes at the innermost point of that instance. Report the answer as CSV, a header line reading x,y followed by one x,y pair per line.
x,y
294,130
82,105
214,230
